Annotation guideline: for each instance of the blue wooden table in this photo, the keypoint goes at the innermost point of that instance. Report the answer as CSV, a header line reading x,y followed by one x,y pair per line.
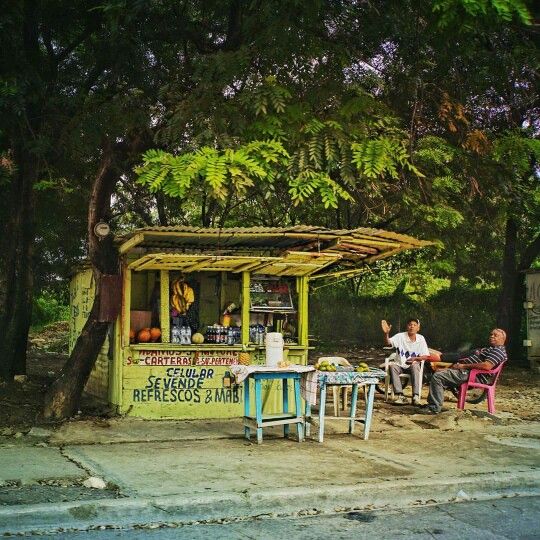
x,y
284,418
368,379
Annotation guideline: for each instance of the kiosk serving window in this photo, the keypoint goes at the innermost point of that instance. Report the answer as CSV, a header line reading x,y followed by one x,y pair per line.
x,y
144,312
272,295
272,308
205,308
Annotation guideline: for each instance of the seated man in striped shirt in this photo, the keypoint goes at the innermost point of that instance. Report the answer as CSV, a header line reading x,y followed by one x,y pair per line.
x,y
458,373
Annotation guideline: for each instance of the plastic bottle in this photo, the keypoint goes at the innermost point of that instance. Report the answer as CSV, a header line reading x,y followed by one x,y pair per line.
x,y
260,334
188,335
182,336
175,334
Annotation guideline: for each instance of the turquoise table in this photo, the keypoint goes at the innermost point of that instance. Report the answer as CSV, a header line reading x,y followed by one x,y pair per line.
x,y
284,418
368,379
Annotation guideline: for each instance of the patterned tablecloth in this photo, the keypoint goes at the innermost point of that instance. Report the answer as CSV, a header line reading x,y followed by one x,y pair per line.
x,y
312,380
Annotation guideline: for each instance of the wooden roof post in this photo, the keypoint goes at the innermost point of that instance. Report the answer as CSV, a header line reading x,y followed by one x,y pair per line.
x,y
126,306
302,284
164,301
246,281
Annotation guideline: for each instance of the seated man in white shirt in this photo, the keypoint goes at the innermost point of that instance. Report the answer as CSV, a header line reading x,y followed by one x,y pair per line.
x,y
408,345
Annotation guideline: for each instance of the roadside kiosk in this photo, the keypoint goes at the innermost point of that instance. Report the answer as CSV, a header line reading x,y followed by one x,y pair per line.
x,y
195,301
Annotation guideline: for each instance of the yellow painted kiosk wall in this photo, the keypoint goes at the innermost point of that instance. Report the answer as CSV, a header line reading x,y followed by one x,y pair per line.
x,y
166,382
161,381
81,295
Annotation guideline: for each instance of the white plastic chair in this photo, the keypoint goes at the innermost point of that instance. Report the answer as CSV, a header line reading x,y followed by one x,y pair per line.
x,y
388,387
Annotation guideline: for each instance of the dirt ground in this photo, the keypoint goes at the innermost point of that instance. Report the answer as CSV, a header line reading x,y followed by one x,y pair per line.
x,y
517,393
518,390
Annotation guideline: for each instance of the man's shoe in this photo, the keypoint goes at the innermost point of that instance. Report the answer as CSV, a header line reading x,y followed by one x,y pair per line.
x,y
416,401
426,409
400,400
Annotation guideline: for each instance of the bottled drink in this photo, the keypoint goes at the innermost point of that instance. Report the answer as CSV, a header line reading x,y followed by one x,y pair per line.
x,y
175,335
188,335
182,335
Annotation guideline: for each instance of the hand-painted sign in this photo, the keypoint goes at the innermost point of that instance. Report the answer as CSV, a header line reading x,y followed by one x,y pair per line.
x,y
186,385
216,358
160,358
148,358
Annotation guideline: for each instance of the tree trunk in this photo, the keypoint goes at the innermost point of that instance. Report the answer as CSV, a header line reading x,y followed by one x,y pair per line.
x,y
508,272
508,318
62,398
162,213
16,277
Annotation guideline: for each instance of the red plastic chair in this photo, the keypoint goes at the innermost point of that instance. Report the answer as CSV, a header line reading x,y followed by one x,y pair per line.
x,y
489,387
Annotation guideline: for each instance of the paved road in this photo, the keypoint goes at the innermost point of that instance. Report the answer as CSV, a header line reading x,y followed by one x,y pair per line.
x,y
512,518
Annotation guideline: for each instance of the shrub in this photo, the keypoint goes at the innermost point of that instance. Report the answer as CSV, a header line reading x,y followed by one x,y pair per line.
x,y
452,319
48,308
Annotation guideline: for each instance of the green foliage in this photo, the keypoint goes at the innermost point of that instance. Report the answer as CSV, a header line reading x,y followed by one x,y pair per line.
x,y
517,150
467,12
452,319
275,105
236,169
309,182
380,156
48,308
268,97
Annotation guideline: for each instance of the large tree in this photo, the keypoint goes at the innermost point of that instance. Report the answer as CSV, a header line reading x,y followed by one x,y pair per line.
x,y
75,74
63,65
204,49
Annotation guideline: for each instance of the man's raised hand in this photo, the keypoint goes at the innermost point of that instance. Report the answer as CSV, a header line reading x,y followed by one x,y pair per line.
x,y
386,327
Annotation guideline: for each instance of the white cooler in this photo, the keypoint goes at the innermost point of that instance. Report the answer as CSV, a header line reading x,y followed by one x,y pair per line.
x,y
274,348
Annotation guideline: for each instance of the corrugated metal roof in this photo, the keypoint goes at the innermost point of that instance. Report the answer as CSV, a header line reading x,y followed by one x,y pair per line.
x,y
290,264
355,246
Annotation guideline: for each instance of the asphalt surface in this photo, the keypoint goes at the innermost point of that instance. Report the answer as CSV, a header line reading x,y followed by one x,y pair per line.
x,y
510,518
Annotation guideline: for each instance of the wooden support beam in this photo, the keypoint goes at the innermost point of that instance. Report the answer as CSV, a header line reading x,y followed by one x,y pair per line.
x,y
246,302
197,265
126,306
302,288
164,303
359,248
135,240
246,266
